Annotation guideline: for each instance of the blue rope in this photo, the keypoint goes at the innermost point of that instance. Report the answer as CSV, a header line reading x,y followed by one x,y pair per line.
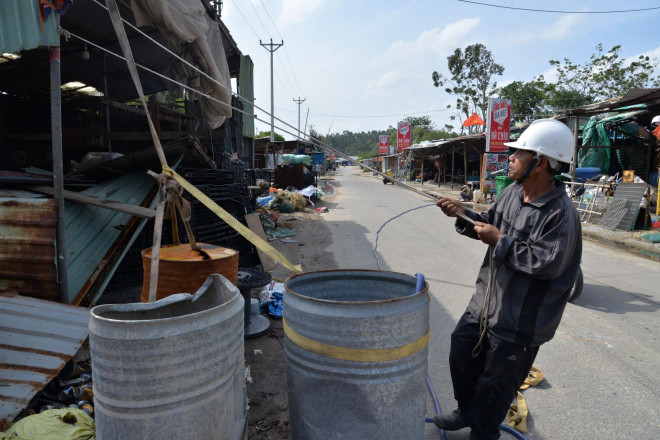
x,y
429,385
393,218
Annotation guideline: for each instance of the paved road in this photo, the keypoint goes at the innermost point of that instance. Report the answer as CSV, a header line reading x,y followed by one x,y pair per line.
x,y
601,368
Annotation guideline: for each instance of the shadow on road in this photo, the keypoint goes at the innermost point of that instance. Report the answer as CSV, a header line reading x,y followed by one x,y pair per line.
x,y
612,300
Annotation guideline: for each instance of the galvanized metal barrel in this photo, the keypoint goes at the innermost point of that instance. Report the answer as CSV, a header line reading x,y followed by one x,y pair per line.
x,y
171,369
356,355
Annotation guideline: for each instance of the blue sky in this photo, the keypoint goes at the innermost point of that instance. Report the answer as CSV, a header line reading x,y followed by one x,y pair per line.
x,y
365,65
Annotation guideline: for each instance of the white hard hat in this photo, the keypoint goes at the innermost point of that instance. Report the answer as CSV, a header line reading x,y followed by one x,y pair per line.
x,y
656,121
547,137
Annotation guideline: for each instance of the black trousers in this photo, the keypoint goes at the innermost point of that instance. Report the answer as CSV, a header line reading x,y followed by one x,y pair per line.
x,y
485,386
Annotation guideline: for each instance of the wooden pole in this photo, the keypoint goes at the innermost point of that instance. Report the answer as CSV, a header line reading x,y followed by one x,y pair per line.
x,y
422,166
453,151
574,163
465,161
58,166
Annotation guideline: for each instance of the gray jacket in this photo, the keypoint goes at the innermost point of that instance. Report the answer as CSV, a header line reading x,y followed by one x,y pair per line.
x,y
535,262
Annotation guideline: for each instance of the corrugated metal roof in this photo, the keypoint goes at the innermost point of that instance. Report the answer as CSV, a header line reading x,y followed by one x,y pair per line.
x,y
20,27
29,76
91,231
27,247
37,338
634,96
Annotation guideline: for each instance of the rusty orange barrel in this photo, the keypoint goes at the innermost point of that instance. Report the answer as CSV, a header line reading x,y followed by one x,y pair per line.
x,y
183,270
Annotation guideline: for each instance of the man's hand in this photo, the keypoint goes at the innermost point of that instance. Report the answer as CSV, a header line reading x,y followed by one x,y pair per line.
x,y
450,206
489,234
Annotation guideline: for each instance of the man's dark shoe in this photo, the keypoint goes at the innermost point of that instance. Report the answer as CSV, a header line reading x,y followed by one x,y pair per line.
x,y
452,421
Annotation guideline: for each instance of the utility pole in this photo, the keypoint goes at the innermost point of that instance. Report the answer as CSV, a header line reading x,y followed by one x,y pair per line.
x,y
272,47
299,101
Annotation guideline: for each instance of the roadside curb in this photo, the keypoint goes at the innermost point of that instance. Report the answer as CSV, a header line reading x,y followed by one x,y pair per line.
x,y
621,240
626,241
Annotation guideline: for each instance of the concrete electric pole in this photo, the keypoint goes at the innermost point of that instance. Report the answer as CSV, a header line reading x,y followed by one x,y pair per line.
x,y
272,47
299,101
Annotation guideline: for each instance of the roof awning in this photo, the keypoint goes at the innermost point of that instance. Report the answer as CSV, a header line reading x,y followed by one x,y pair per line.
x,y
634,96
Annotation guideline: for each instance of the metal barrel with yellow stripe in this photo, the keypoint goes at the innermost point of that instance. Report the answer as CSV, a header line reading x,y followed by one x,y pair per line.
x,y
356,347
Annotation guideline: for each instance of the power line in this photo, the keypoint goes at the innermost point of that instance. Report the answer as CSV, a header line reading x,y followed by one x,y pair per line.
x,y
262,23
286,52
272,47
378,116
283,67
258,36
246,21
559,12
311,139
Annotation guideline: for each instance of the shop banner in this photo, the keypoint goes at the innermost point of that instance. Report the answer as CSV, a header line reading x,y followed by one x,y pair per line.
x,y
383,144
404,135
493,165
499,122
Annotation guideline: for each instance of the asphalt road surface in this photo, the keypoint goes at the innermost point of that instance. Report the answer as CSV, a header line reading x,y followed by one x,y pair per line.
x,y
601,370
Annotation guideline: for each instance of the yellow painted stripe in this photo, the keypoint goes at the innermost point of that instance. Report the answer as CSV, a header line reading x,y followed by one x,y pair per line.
x,y
356,354
253,238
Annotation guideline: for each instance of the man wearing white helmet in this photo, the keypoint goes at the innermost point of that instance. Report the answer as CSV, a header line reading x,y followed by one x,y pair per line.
x,y
524,282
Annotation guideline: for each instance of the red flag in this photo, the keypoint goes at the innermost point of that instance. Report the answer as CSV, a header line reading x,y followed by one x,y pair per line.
x,y
656,132
473,120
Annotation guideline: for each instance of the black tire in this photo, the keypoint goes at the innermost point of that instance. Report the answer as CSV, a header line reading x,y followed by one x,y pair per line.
x,y
576,291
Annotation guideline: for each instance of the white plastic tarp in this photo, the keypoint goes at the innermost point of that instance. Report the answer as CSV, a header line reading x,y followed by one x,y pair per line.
x,y
192,35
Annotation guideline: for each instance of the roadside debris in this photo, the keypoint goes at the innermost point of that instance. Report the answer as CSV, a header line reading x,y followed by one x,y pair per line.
x,y
53,424
271,299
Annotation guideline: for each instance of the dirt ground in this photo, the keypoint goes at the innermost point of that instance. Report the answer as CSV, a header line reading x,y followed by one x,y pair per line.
x,y
268,416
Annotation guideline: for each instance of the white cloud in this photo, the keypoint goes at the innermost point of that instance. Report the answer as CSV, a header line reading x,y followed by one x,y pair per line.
x,y
655,53
296,11
562,27
554,32
414,60
435,41
551,75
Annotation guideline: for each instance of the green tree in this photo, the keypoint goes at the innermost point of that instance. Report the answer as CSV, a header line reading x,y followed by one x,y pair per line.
x,y
528,99
423,122
277,136
606,75
472,73
559,99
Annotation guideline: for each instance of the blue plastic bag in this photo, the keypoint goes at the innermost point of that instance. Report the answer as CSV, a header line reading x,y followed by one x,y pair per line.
x,y
276,305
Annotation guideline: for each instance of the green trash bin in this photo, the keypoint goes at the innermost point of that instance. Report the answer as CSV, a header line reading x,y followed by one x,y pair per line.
x,y
502,182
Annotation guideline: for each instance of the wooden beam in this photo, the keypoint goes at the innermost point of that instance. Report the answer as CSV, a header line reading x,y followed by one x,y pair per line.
x,y
615,147
138,211
465,161
146,135
140,111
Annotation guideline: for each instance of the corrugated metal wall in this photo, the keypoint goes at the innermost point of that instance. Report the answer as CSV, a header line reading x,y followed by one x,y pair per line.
x,y
27,247
20,27
246,90
38,338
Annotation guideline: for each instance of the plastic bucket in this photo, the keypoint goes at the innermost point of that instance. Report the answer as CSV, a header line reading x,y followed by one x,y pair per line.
x,y
584,173
502,182
172,369
356,354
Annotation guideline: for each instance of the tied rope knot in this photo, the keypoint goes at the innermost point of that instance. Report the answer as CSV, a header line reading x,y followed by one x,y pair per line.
x,y
170,192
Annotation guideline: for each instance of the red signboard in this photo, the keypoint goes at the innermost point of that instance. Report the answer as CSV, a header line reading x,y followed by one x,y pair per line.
x,y
383,144
404,135
497,128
